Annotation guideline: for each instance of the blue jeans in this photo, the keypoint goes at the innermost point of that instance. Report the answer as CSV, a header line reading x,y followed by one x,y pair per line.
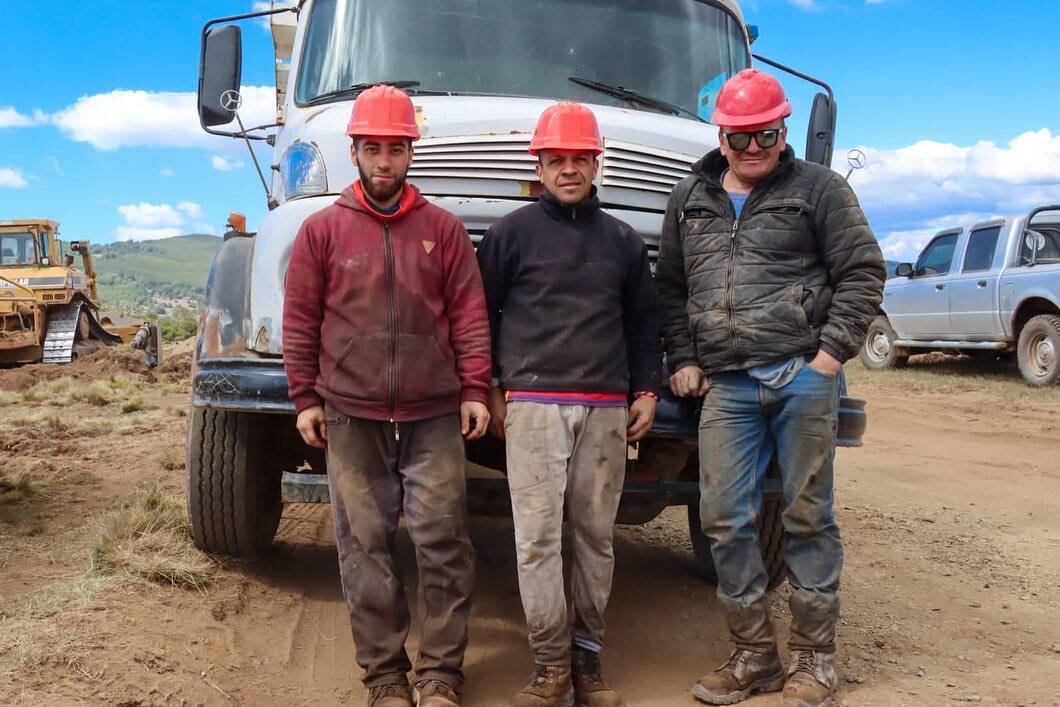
x,y
745,424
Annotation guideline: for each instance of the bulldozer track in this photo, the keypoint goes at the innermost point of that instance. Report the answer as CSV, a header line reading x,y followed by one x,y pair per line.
x,y
62,330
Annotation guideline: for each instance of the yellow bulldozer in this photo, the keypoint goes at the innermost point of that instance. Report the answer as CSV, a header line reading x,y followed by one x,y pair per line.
x,y
49,309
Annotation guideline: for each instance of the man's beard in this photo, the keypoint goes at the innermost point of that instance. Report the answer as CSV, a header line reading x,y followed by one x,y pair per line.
x,y
381,194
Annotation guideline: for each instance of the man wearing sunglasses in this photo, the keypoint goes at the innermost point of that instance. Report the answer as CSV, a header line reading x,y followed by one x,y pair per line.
x,y
769,275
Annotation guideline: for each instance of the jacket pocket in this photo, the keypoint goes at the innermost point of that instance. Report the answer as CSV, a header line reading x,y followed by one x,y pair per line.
x,y
801,318
358,374
425,371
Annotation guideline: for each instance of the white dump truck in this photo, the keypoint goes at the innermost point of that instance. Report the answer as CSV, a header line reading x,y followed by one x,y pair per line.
x,y
480,72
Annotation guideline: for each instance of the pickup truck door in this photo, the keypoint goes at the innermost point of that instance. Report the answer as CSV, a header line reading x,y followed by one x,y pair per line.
x,y
974,288
919,307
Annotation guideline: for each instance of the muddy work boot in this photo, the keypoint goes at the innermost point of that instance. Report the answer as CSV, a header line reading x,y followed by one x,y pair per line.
x,y
391,695
435,693
587,676
812,679
742,675
549,686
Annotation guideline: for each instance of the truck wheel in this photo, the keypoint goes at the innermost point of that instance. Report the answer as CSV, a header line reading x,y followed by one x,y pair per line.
x,y
1039,350
879,352
770,542
234,492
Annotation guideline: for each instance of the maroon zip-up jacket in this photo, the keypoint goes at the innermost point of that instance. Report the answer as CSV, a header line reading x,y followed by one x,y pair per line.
x,y
384,317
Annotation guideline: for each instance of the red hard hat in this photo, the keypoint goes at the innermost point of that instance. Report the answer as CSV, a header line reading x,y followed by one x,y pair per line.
x,y
567,126
751,97
383,111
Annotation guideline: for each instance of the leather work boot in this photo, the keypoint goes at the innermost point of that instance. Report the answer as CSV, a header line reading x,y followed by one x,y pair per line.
x,y
812,679
391,695
435,693
742,675
549,686
587,676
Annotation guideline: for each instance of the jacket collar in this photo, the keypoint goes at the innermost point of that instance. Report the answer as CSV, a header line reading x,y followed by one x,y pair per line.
x,y
714,164
583,211
353,197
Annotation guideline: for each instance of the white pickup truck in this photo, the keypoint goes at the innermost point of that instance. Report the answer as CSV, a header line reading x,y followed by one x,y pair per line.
x,y
986,291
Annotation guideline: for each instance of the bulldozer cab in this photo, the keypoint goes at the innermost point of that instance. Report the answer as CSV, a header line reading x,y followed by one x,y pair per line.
x,y
28,243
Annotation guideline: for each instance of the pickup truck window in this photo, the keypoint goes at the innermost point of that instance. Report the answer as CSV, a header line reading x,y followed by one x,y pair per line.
x,y
1048,238
981,247
937,257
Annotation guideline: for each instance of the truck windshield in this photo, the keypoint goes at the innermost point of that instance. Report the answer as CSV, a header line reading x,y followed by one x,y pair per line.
x,y
17,249
679,51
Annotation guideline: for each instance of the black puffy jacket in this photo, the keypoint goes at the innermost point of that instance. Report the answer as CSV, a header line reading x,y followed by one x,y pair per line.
x,y
800,271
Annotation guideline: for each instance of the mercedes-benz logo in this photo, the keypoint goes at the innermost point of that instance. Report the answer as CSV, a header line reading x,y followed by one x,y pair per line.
x,y
856,159
231,100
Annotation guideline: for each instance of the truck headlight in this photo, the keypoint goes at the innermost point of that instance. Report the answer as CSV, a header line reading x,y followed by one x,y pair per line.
x,y
302,171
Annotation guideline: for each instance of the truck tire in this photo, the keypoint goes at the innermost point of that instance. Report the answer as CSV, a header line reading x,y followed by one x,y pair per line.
x,y
879,352
1039,350
234,492
770,542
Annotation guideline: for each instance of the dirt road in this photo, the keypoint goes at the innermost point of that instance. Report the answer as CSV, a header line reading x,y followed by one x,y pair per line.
x,y
949,515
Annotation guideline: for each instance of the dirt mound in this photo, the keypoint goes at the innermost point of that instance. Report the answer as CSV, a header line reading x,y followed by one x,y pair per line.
x,y
103,363
176,367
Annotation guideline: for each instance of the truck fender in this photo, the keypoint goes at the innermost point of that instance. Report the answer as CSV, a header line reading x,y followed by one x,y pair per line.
x,y
223,318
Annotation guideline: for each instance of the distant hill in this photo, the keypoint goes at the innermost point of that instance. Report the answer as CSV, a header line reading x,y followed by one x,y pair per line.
x,y
154,277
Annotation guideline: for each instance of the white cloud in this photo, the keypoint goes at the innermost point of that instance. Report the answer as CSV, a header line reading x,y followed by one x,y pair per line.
x,y
225,164
55,165
11,118
166,172
804,4
145,221
911,192
123,118
12,178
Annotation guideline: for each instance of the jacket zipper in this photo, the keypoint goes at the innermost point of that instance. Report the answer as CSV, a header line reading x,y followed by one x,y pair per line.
x,y
729,298
392,322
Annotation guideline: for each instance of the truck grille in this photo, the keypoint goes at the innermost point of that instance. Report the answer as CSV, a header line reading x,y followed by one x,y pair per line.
x,y
640,168
475,157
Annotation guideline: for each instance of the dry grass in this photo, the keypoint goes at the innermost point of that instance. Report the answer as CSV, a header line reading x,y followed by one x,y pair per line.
x,y
132,405
938,374
54,391
171,459
9,398
64,391
15,488
149,537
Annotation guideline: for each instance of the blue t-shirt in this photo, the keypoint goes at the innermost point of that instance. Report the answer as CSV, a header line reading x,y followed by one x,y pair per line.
x,y
778,373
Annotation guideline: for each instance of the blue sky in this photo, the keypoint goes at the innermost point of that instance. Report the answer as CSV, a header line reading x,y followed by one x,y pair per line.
x,y
956,104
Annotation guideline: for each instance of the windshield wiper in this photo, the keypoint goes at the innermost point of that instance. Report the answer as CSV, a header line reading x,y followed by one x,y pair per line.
x,y
635,97
407,86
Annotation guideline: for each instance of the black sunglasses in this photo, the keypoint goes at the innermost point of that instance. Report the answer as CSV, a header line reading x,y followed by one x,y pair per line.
x,y
765,139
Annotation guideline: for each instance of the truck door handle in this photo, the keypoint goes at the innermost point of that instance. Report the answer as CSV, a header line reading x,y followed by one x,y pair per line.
x,y
939,288
981,283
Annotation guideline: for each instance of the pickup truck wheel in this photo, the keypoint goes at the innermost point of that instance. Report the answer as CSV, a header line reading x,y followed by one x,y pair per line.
x,y
1039,350
234,491
879,352
770,542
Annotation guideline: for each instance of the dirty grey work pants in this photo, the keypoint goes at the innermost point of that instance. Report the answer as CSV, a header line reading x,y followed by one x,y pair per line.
x,y
373,478
576,455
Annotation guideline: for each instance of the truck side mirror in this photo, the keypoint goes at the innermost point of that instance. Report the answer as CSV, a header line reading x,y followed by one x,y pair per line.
x,y
820,135
904,270
220,70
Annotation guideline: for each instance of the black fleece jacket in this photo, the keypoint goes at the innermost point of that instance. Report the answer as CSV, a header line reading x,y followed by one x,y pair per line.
x,y
572,304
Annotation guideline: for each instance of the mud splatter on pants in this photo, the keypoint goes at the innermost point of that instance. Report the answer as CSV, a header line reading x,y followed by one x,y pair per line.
x,y
373,479
743,424
569,456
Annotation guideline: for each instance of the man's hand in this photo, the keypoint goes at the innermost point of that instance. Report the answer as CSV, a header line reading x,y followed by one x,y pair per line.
x,y
689,382
498,411
641,417
312,427
474,418
825,364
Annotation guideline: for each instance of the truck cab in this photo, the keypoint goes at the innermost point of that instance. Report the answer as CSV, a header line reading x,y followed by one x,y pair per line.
x,y
973,290
479,74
